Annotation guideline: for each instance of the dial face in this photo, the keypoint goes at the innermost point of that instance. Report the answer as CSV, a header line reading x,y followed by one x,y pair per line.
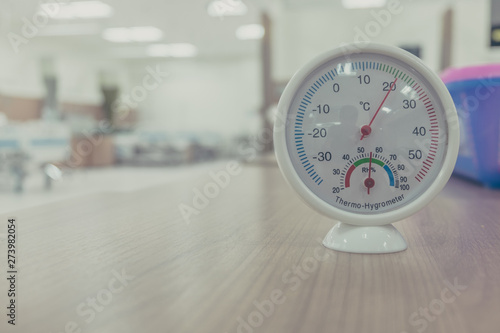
x,y
367,134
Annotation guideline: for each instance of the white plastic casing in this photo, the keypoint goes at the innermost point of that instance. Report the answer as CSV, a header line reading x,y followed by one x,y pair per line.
x,y
290,174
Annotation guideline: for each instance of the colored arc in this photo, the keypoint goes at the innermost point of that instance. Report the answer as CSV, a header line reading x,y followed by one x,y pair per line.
x,y
367,160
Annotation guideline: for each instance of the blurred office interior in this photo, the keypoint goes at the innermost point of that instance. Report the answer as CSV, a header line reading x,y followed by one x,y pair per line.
x,y
116,95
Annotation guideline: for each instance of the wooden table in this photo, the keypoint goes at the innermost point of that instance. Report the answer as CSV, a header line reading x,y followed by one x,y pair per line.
x,y
251,261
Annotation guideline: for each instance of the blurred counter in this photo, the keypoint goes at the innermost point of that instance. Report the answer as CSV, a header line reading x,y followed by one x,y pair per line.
x,y
249,259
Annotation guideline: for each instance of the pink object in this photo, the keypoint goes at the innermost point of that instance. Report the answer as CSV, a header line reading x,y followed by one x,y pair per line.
x,y
454,74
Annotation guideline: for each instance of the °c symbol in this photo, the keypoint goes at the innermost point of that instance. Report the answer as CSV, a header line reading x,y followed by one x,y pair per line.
x,y
365,105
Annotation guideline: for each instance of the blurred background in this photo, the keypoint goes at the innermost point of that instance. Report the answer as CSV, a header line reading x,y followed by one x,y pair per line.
x,y
118,95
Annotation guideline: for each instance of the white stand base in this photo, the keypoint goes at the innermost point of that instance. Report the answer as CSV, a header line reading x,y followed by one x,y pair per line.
x,y
360,239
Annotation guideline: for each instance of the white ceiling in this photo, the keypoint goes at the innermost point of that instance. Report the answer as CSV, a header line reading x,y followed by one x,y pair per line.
x,y
182,21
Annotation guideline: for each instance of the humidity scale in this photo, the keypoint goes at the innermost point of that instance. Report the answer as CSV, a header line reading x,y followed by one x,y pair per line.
x,y
366,135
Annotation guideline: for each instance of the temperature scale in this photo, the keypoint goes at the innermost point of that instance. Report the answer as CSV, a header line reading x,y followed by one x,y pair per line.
x,y
366,135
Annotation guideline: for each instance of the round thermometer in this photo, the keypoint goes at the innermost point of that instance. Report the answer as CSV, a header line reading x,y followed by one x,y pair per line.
x,y
366,135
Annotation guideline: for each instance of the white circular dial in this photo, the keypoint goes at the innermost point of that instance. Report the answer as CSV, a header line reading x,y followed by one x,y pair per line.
x,y
367,137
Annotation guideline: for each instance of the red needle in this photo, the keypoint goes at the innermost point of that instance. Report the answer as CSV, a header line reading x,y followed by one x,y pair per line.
x,y
369,182
365,130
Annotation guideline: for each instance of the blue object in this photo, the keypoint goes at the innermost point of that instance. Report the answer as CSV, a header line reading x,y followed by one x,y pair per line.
x,y
476,93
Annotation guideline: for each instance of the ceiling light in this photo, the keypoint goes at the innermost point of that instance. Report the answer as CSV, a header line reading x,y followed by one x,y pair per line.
x,y
219,8
176,50
250,31
132,34
358,4
145,34
117,35
77,10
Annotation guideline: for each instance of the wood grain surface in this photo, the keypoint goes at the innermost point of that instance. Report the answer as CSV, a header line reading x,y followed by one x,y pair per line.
x,y
251,261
